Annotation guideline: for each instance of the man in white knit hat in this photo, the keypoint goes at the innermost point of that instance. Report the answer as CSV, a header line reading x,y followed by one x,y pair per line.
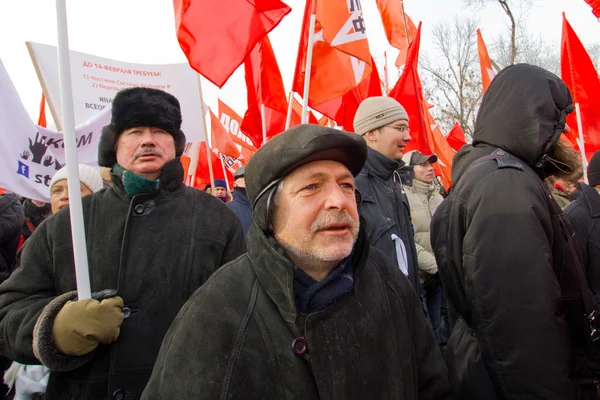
x,y
89,179
383,123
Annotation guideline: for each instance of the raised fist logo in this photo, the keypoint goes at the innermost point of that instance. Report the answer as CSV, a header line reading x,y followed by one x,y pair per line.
x,y
38,148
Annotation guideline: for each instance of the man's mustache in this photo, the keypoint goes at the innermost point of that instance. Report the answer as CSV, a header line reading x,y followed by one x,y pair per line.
x,y
147,150
331,219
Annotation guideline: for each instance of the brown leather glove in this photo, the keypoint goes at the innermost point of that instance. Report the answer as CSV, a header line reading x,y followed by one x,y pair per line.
x,y
81,325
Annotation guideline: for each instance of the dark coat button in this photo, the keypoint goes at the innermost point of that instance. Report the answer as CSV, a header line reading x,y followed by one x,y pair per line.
x,y
300,346
139,209
126,312
118,394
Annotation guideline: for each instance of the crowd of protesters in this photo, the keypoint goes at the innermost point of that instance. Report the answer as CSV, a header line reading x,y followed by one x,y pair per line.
x,y
334,269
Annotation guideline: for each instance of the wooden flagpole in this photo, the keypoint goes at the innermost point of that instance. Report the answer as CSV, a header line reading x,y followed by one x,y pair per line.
x,y
82,272
208,151
224,172
581,143
288,118
309,52
263,123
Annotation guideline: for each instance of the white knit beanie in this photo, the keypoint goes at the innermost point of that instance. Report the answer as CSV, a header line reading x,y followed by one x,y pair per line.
x,y
87,175
375,112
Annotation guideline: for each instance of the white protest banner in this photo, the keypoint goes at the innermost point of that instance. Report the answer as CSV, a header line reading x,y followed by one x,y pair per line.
x,y
87,139
31,155
96,80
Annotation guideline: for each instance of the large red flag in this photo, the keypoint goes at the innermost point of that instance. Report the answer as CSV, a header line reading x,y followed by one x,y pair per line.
x,y
595,4
456,137
409,92
426,135
343,109
220,140
396,30
341,57
42,116
265,87
487,71
580,75
217,35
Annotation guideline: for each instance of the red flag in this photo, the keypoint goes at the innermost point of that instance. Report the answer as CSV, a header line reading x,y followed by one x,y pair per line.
x,y
580,75
232,123
202,171
426,135
595,4
324,121
487,71
441,148
42,117
392,17
297,114
265,87
456,137
409,92
220,140
341,57
343,109
217,35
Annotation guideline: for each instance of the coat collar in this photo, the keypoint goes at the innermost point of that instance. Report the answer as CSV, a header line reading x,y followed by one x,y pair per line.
x,y
424,188
171,181
239,194
276,272
592,197
380,165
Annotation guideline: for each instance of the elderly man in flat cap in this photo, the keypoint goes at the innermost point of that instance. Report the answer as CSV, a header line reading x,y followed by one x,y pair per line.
x,y
150,239
312,311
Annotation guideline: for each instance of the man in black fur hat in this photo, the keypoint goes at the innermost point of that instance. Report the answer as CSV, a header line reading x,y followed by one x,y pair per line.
x,y
151,242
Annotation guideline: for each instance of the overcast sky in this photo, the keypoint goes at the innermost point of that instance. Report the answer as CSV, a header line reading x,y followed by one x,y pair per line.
x,y
143,31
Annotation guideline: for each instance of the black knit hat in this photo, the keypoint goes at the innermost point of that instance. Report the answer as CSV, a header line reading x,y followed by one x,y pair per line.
x,y
593,170
140,107
291,149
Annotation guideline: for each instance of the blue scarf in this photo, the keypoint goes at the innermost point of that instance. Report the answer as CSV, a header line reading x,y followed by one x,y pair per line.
x,y
311,295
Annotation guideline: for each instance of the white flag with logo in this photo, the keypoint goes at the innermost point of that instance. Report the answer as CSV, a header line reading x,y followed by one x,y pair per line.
x,y
31,155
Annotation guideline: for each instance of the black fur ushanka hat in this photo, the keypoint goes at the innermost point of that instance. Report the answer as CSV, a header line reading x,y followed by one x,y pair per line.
x,y
140,107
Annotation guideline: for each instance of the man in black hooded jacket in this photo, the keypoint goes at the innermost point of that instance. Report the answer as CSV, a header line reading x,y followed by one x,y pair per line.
x,y
501,245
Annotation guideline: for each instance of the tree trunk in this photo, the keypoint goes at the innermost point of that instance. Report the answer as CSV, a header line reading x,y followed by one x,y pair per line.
x,y
513,29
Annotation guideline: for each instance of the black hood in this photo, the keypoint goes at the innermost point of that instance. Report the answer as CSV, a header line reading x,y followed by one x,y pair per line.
x,y
523,112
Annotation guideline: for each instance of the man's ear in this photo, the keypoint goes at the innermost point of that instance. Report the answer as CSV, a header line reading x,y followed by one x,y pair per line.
x,y
371,136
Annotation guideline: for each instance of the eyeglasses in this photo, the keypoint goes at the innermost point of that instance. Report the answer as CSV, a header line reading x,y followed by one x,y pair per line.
x,y
399,128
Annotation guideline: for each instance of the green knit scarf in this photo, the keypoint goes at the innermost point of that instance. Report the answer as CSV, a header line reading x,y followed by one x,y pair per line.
x,y
135,184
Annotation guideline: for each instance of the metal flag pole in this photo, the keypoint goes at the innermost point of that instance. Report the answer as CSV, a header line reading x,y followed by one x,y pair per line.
x,y
208,151
263,121
581,143
288,118
309,52
82,272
